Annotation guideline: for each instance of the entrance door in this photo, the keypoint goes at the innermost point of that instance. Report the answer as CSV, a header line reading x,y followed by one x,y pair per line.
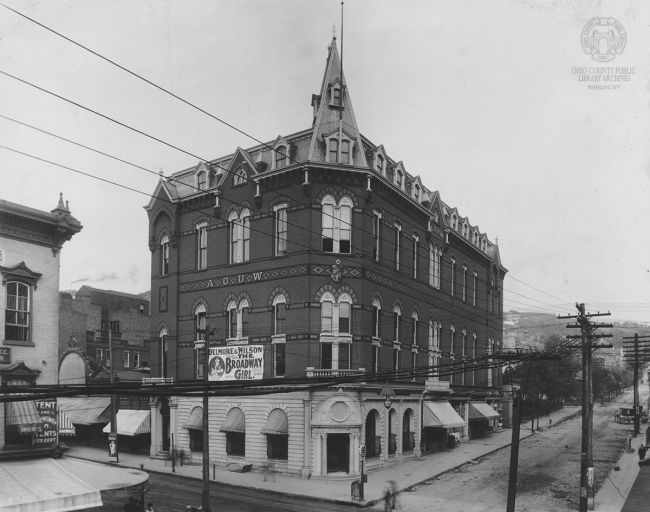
x,y
338,453
164,412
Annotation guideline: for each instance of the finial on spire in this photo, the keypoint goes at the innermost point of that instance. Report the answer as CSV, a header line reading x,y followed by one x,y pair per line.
x,y
60,205
333,30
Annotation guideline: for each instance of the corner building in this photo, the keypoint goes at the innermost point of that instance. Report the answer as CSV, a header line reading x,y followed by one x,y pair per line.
x,y
318,255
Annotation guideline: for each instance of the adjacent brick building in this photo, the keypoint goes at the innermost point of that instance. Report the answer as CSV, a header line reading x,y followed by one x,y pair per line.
x,y
313,255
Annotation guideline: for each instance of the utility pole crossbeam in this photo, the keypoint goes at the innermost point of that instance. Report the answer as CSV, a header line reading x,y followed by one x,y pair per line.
x,y
587,337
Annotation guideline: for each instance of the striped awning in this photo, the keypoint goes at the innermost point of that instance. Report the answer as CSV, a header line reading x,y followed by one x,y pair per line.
x,y
88,410
234,422
131,422
65,426
441,414
481,410
22,416
277,423
195,419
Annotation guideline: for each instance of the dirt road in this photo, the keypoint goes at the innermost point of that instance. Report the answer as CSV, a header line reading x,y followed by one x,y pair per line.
x,y
549,469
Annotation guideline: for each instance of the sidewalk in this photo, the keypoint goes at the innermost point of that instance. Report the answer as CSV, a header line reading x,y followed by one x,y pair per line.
x,y
407,474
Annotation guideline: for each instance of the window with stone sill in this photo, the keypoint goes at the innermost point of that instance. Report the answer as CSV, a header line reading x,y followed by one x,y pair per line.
x,y
18,312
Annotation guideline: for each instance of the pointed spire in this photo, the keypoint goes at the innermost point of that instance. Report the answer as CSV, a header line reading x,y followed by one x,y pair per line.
x,y
60,205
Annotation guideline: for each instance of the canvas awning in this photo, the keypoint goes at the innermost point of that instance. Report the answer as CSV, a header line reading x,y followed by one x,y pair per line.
x,y
22,416
131,422
481,410
48,485
234,422
440,414
277,423
90,410
195,419
65,426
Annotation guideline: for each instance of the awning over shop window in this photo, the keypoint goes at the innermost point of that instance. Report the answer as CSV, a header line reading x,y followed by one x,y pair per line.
x,y
65,426
234,422
22,416
89,410
440,414
481,410
195,419
131,422
277,423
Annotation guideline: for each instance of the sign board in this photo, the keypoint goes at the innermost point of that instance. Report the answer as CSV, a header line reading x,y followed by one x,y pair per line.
x,y
240,362
47,432
5,355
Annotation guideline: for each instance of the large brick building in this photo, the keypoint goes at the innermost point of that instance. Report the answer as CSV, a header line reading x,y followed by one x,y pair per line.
x,y
317,254
30,248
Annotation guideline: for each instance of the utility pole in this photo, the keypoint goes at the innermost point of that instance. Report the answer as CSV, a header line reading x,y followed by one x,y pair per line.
x,y
587,329
639,355
113,450
205,505
514,450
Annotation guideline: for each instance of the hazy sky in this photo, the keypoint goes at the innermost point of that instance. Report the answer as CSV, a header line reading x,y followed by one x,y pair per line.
x,y
486,100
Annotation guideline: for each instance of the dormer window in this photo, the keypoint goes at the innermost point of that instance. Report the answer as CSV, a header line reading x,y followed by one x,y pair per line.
x,y
339,152
399,179
379,165
476,238
465,230
240,176
202,180
336,96
416,192
280,157
454,222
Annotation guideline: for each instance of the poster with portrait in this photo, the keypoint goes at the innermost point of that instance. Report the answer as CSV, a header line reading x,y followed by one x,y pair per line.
x,y
241,362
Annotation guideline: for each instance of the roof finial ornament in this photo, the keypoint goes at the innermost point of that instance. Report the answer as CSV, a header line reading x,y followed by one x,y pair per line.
x,y
334,31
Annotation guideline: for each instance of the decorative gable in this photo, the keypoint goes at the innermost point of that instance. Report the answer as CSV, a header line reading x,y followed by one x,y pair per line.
x,y
380,161
399,176
20,272
241,169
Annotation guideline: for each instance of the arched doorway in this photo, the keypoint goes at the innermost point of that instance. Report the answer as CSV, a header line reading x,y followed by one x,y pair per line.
x,y
372,440
408,436
164,414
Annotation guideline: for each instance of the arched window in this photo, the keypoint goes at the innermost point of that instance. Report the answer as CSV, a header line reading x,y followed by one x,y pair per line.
x,y
464,293
164,255
18,311
277,435
452,339
240,177
240,234
452,277
200,326
163,334
464,341
397,317
336,224
373,441
279,314
280,228
474,279
234,427
408,436
399,179
238,319
435,258
376,318
414,264
414,328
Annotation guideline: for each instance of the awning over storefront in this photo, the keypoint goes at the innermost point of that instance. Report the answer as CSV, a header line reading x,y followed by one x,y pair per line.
x,y
131,422
440,414
65,426
277,423
89,410
195,419
481,410
48,485
22,416
234,422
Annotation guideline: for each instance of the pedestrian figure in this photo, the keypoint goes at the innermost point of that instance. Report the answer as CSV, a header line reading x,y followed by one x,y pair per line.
x,y
642,450
550,422
149,508
388,500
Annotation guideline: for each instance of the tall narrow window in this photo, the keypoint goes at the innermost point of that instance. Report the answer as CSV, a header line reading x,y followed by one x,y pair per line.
x,y
397,317
326,355
398,245
344,317
199,322
416,240
163,351
464,341
414,329
201,180
416,192
452,277
326,316
17,313
399,179
201,245
240,234
474,279
333,154
279,315
336,95
396,363
414,361
464,293
452,339
376,358
376,235
233,317
437,268
164,255
380,164
126,359
345,151
280,156
376,318
280,213
336,225
279,359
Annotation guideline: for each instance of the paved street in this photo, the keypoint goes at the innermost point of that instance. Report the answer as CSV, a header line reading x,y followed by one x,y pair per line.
x,y
549,469
170,493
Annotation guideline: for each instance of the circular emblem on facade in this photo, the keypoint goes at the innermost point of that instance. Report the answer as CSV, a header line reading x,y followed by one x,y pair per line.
x,y
603,39
340,411
335,272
